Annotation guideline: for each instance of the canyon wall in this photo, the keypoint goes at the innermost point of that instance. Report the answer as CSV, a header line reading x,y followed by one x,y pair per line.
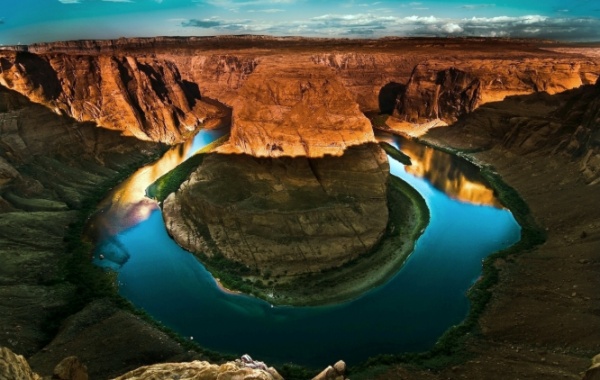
x,y
142,97
152,88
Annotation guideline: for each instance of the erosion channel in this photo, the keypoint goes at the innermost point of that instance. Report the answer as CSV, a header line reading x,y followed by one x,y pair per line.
x,y
409,311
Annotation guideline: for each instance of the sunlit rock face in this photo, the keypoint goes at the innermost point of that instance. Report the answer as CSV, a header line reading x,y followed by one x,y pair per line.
x,y
449,89
283,215
143,97
445,95
296,110
14,366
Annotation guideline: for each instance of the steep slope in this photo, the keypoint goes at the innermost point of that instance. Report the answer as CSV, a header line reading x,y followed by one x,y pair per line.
x,y
142,97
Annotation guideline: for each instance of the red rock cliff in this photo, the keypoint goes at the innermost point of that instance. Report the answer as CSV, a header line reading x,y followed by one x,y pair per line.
x,y
143,97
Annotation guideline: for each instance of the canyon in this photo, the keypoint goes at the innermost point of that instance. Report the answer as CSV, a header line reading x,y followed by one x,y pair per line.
x,y
528,108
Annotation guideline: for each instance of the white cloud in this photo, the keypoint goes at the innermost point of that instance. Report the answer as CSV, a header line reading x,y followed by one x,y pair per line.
x,y
452,28
69,1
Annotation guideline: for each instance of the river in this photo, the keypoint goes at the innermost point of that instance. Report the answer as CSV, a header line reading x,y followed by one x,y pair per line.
x,y
408,313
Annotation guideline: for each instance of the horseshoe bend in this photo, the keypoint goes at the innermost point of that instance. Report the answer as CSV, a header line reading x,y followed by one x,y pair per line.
x,y
297,202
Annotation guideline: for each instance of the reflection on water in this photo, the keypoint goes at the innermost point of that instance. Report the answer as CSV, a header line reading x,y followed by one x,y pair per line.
x,y
456,177
126,205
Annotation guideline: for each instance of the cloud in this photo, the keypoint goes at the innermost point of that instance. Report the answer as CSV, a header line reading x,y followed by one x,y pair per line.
x,y
452,28
531,26
69,1
378,25
195,23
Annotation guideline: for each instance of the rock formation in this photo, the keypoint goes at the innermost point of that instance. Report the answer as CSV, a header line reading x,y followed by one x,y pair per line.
x,y
198,370
335,372
142,97
446,90
298,110
289,215
15,367
286,215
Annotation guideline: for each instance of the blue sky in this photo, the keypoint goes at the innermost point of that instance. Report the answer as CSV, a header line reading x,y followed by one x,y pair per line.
x,y
27,21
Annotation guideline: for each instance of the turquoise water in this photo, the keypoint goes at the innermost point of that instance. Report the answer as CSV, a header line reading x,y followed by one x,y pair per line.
x,y
408,313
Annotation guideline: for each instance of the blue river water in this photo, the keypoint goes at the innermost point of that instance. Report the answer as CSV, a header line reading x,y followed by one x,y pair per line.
x,y
408,313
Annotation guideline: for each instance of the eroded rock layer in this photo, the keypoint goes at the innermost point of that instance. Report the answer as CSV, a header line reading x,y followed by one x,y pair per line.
x,y
286,215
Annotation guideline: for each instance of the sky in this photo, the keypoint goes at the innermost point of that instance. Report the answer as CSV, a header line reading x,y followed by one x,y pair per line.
x,y
28,21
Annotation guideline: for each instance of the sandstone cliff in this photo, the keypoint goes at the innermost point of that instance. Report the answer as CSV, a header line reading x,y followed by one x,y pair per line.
x,y
297,110
446,90
286,215
142,97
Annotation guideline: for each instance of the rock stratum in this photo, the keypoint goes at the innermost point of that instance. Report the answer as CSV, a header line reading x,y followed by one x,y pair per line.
x,y
542,320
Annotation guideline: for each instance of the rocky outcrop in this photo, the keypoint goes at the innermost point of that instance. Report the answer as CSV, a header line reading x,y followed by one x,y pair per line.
x,y
198,370
70,368
593,373
335,372
142,97
450,94
446,90
15,367
286,215
302,110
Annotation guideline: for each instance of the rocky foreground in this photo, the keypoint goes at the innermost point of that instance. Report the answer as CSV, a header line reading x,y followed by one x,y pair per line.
x,y
543,321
